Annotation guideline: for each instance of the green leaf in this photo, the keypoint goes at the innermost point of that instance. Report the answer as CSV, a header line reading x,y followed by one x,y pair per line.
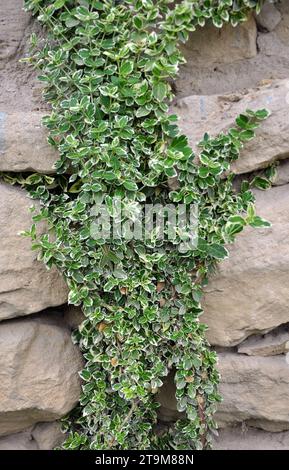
x,y
130,185
261,183
159,91
237,219
259,222
126,68
58,4
262,114
137,21
217,251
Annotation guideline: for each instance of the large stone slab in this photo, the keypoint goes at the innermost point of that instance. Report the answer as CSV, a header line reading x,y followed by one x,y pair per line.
x,y
26,286
42,436
255,390
38,371
13,22
272,344
23,143
217,113
211,45
269,17
243,438
249,293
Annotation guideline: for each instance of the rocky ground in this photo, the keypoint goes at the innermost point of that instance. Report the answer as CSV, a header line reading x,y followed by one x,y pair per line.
x,y
246,302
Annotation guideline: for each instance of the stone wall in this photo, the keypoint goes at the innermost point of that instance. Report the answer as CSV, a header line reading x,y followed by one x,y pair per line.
x,y
246,302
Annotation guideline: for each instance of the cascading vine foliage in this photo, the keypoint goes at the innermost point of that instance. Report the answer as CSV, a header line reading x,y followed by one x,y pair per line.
x,y
107,68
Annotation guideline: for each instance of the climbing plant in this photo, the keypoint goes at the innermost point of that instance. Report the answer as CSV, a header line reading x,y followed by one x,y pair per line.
x,y
108,67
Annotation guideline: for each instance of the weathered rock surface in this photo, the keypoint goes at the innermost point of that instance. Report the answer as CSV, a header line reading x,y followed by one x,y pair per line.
x,y
26,286
238,438
212,45
19,441
272,344
12,27
48,435
250,294
23,143
254,390
201,76
38,371
269,18
43,436
215,114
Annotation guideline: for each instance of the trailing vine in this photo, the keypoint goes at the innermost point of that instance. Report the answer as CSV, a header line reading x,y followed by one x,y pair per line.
x,y
107,68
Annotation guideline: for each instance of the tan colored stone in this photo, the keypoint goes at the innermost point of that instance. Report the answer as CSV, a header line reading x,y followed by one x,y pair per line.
x,y
249,293
48,435
26,286
269,17
210,45
43,436
39,367
12,27
215,114
255,390
23,143
19,441
272,344
243,438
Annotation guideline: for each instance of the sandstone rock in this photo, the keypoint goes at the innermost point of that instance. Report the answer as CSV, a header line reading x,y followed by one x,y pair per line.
x,y
23,143
25,284
39,372
275,43
43,436
48,435
269,17
210,45
254,390
250,294
215,114
12,27
237,438
19,441
272,344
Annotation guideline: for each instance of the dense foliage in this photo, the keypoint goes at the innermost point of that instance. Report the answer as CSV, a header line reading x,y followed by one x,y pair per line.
x,y
107,68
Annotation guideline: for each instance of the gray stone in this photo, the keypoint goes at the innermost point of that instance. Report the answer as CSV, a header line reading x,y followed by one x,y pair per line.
x,y
26,286
23,143
243,438
19,441
269,17
254,390
215,114
249,294
12,27
272,344
210,45
39,367
43,436
48,435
